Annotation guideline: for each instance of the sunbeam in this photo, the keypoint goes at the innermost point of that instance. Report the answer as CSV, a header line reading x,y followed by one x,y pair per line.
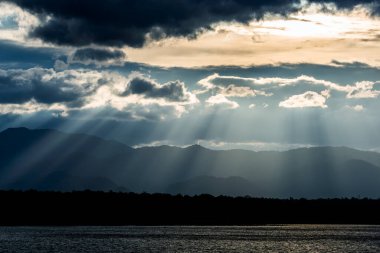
x,y
142,99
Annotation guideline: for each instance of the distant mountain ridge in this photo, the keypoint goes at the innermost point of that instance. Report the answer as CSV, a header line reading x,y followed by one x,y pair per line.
x,y
33,158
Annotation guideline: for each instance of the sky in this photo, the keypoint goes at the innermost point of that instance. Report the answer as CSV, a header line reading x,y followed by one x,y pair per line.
x,y
225,74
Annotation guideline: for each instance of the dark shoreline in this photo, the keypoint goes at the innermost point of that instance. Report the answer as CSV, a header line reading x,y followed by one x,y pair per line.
x,y
88,208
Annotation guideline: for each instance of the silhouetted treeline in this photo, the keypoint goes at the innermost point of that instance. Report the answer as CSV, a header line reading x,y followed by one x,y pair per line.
x,y
101,208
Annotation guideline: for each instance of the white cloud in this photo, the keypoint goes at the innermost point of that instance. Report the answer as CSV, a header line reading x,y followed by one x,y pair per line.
x,y
220,100
33,107
236,91
363,89
262,82
24,22
60,65
250,145
208,82
245,86
160,143
307,99
118,94
357,108
229,145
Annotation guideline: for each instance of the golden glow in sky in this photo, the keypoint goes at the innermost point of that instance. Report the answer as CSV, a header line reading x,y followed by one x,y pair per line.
x,y
312,35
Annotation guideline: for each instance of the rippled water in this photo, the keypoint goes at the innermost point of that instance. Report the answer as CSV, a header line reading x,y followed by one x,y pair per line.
x,y
289,238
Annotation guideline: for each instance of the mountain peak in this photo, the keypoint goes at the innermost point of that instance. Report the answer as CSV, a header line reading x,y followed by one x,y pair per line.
x,y
16,129
196,147
25,130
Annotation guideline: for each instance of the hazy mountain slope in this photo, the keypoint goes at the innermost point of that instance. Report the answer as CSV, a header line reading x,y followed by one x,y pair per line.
x,y
31,156
34,158
63,181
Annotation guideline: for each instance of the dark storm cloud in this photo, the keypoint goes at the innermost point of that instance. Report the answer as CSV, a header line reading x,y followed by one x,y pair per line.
x,y
171,91
353,65
42,85
120,22
97,55
348,4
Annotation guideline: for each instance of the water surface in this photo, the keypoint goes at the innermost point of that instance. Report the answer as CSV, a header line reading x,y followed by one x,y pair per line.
x,y
285,238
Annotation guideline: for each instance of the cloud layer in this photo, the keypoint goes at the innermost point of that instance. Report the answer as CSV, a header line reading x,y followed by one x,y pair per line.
x,y
198,33
185,70
307,99
297,92
24,91
39,89
131,23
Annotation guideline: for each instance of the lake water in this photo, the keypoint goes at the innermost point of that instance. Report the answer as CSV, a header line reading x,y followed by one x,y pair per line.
x,y
286,238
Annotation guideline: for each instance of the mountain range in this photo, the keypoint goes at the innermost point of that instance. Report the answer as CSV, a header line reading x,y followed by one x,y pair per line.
x,y
45,159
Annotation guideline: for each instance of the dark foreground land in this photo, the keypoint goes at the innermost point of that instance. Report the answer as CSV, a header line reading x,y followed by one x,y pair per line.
x,y
99,208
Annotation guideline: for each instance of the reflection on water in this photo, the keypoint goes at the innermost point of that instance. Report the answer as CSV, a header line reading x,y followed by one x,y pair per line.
x,y
287,238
